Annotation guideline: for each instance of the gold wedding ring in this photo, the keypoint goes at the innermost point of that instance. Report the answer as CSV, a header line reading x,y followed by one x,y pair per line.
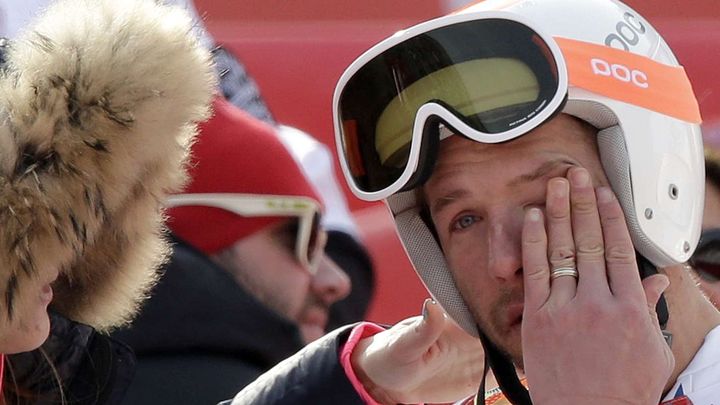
x,y
563,271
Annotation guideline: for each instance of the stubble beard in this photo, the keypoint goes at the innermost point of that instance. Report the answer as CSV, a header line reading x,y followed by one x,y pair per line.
x,y
495,327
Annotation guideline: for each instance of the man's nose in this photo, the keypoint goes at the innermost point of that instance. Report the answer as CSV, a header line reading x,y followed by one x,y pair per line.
x,y
504,257
330,283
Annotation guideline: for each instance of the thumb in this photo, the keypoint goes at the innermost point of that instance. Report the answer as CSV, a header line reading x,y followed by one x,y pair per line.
x,y
654,286
421,334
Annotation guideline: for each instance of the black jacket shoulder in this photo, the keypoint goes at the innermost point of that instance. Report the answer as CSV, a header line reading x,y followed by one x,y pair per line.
x,y
312,376
76,365
201,337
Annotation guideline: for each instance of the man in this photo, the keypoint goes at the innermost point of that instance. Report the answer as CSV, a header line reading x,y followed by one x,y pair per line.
x,y
345,245
248,283
344,242
509,139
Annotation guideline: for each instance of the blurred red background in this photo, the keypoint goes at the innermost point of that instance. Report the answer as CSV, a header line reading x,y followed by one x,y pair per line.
x,y
296,51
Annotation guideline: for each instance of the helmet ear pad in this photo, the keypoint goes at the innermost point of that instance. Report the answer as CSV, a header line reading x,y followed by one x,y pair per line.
x,y
419,237
616,163
614,159
645,181
428,260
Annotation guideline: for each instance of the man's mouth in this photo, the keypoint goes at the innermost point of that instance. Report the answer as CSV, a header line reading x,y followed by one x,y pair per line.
x,y
316,316
313,323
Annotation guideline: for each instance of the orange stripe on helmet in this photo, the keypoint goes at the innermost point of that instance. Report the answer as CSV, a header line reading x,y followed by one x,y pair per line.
x,y
631,78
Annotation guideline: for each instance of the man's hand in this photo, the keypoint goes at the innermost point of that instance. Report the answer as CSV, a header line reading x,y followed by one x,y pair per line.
x,y
422,359
594,339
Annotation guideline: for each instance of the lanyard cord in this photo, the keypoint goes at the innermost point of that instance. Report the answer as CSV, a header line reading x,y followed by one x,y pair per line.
x,y
481,390
648,269
504,372
2,374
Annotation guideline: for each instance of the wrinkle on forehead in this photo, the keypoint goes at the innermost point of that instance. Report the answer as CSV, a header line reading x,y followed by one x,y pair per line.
x,y
541,171
545,170
563,141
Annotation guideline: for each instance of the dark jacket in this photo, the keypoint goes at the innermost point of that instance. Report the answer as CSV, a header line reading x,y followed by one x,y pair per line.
x,y
312,376
201,338
89,368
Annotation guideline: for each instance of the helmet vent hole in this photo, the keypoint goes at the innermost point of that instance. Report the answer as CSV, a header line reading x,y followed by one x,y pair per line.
x,y
673,191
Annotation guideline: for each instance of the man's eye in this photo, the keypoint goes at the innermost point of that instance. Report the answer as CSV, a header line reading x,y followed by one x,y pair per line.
x,y
464,222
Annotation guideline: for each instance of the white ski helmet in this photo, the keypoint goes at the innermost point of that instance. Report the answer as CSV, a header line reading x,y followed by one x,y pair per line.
x,y
498,69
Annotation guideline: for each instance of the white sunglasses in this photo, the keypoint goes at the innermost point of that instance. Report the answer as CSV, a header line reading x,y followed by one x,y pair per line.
x,y
310,239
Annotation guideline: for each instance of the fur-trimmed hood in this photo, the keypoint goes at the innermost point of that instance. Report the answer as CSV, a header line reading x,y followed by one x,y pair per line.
x,y
99,101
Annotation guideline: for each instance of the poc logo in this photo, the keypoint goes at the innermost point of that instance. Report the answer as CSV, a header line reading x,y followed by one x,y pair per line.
x,y
627,33
620,72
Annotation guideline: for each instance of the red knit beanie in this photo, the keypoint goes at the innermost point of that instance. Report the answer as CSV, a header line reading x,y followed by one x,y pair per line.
x,y
234,153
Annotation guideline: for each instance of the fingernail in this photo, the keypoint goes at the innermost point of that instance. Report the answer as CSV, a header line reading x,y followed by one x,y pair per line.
x,y
425,310
604,194
558,188
533,214
580,177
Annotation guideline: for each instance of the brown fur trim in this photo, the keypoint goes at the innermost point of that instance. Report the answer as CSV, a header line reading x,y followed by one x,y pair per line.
x,y
99,103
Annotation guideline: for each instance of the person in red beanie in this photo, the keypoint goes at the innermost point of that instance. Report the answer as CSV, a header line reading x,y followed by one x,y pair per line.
x,y
248,283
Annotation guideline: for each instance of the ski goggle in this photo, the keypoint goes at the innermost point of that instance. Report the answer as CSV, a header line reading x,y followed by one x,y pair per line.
x,y
490,77
309,238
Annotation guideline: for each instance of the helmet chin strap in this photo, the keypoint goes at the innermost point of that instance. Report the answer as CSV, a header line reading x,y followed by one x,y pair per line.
x,y
504,369
505,374
647,269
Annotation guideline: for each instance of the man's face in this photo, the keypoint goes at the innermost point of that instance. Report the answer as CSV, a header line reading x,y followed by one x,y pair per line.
x,y
265,264
477,196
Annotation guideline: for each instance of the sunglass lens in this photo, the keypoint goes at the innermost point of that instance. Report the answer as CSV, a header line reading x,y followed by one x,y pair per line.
x,y
707,271
315,242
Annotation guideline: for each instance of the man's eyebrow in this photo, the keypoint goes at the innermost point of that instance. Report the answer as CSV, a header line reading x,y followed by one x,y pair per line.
x,y
442,202
540,172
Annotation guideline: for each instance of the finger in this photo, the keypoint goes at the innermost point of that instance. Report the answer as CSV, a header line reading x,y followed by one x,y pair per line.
x,y
561,247
622,270
414,341
587,233
654,286
536,271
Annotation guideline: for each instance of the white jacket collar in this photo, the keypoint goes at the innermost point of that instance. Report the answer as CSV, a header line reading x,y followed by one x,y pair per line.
x,y
700,381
